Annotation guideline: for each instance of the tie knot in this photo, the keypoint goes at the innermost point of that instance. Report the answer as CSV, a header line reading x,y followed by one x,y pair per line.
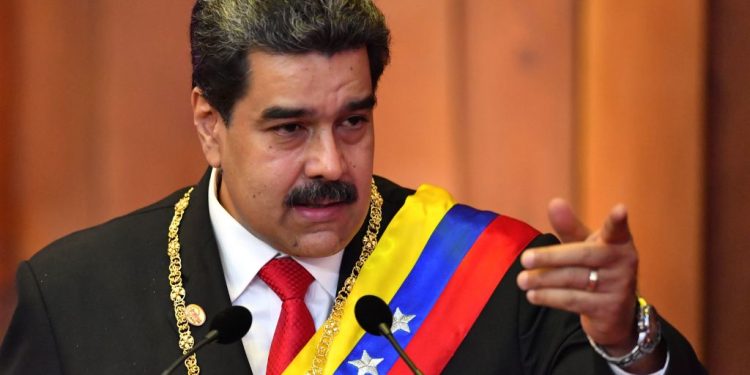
x,y
287,278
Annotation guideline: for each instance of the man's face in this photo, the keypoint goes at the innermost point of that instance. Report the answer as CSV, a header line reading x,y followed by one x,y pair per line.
x,y
305,122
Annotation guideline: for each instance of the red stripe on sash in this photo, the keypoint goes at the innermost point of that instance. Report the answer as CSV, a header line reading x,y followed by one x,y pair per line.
x,y
466,294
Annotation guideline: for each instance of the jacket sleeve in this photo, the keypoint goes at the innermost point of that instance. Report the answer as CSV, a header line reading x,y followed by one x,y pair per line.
x,y
682,358
29,345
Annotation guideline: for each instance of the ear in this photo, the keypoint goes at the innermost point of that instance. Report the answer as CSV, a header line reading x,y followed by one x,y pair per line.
x,y
209,125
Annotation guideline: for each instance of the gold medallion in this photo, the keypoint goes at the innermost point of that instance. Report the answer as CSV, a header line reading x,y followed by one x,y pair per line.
x,y
195,315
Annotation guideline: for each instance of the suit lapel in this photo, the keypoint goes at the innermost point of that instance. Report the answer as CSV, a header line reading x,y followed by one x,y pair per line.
x,y
204,283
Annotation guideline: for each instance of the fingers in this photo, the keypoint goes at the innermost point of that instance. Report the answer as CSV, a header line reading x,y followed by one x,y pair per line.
x,y
569,265
575,278
615,229
570,229
569,277
565,222
581,254
570,300
581,302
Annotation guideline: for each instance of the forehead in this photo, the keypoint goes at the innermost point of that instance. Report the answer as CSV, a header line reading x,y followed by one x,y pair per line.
x,y
308,77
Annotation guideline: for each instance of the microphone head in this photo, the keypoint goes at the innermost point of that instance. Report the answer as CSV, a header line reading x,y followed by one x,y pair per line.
x,y
371,311
231,324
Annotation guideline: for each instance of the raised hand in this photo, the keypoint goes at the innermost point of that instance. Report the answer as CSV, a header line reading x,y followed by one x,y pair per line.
x,y
593,274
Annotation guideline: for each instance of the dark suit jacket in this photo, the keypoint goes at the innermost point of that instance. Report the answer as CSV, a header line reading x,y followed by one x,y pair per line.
x,y
97,302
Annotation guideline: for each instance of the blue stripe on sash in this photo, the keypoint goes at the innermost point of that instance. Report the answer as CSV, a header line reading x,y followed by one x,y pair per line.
x,y
449,243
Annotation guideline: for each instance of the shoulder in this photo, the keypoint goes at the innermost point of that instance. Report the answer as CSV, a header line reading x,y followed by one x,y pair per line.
x,y
129,235
393,195
391,191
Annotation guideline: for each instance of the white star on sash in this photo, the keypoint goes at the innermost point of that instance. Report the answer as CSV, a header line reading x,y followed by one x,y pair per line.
x,y
401,321
366,365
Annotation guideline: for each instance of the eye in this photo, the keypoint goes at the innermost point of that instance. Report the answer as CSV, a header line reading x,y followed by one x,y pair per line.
x,y
355,121
288,129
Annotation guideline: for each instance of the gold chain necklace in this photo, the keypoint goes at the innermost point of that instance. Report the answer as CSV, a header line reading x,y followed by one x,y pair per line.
x,y
331,326
369,241
177,294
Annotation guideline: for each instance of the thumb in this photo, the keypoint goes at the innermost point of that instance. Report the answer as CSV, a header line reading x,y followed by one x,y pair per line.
x,y
565,222
615,229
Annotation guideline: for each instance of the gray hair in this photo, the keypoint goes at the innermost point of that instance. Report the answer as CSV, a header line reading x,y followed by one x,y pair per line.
x,y
223,32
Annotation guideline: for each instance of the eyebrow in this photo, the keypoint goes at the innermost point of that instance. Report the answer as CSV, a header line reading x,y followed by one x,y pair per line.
x,y
280,113
277,112
366,103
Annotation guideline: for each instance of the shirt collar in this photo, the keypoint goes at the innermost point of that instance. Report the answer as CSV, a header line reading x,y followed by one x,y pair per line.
x,y
243,254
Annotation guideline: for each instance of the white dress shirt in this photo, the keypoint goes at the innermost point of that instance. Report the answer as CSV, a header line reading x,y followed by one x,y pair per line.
x,y
242,256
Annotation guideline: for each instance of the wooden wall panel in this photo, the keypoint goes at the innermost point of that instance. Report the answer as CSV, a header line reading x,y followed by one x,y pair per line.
x,y
473,86
8,71
727,255
517,124
56,189
148,144
642,141
105,89
414,120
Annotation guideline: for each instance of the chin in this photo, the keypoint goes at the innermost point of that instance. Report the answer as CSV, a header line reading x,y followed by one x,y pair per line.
x,y
317,245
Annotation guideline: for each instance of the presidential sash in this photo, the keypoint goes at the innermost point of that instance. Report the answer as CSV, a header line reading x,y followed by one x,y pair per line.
x,y
436,265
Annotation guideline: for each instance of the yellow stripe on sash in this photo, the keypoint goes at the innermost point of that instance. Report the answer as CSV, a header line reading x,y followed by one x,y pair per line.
x,y
384,272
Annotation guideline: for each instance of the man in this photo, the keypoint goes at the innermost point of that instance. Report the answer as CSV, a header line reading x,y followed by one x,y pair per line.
x,y
290,222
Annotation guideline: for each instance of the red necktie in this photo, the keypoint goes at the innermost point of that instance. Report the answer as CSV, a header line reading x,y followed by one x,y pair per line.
x,y
289,280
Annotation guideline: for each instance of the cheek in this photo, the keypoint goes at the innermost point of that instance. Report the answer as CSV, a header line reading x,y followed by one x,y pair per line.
x,y
267,161
360,165
274,178
262,178
360,160
360,154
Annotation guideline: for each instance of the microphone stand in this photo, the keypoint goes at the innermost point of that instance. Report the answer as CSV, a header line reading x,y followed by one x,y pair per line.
x,y
212,336
386,331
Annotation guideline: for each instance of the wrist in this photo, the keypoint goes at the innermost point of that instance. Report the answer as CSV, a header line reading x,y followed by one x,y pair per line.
x,y
648,337
621,349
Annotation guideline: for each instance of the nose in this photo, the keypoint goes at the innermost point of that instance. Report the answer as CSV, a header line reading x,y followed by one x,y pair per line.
x,y
324,159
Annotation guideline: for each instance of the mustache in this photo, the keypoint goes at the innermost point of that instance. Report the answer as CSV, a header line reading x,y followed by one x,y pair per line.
x,y
315,192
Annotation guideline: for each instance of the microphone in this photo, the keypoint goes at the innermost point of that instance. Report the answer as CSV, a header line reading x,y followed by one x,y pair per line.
x,y
226,327
375,317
